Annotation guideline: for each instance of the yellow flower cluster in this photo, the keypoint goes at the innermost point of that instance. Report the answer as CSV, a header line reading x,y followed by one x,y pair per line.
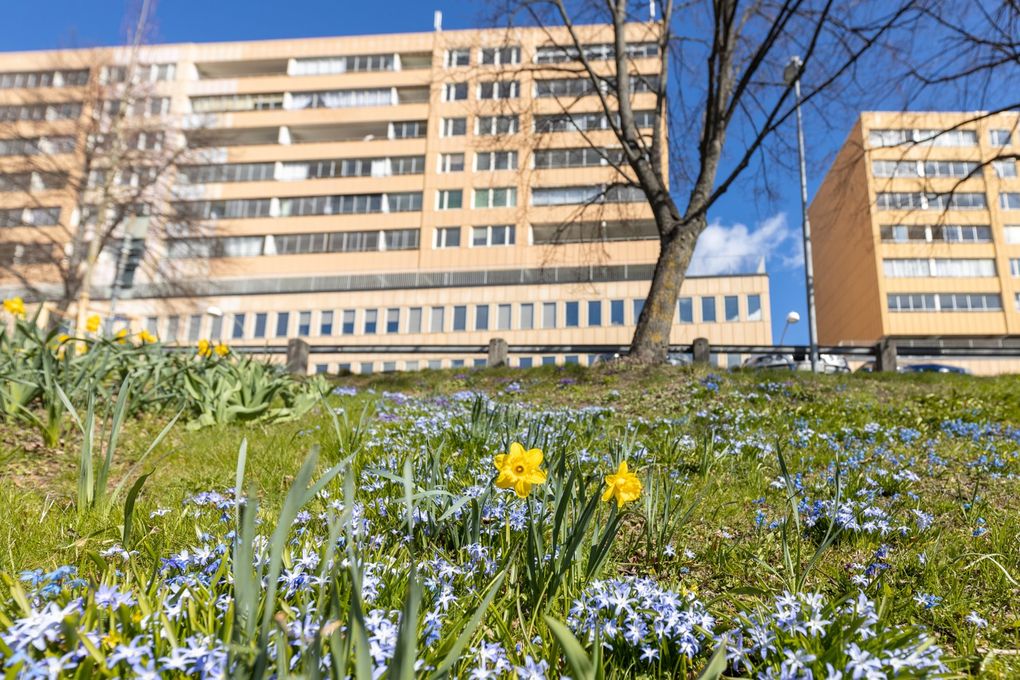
x,y
147,337
206,349
92,323
14,306
520,469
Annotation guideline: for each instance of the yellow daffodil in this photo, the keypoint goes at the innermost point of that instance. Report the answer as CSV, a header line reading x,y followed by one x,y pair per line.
x,y
204,348
624,486
62,338
147,337
121,336
14,306
92,323
519,469
222,350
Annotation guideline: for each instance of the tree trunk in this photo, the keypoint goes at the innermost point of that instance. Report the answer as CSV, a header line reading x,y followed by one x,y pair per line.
x,y
651,337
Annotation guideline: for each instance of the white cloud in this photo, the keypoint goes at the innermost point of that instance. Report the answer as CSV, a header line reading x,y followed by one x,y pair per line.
x,y
737,249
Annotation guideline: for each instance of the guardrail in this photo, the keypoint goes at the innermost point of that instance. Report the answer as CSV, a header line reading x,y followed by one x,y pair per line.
x,y
885,353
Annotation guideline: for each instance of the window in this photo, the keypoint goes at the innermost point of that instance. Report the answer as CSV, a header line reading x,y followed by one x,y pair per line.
x,y
583,157
558,54
414,320
349,64
407,165
527,316
486,126
525,362
573,122
637,305
754,307
949,168
497,235
894,168
685,310
572,314
548,315
594,312
900,302
342,99
326,323
1012,233
499,197
460,317
152,324
503,317
1000,137
969,302
549,361
938,267
393,320
235,209
453,127
304,325
405,201
584,195
891,200
371,321
194,327
946,137
501,56
731,307
347,327
449,199
482,317
918,201
616,313
261,320
708,309
1014,267
282,324
1009,200
496,160
242,102
366,367
216,330
400,239
458,57
498,89
961,233
228,172
447,237
173,327
453,92
451,162
408,129
1005,169
435,364
237,327
436,321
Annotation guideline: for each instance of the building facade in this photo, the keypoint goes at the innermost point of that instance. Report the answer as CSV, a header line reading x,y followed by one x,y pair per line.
x,y
916,230
438,188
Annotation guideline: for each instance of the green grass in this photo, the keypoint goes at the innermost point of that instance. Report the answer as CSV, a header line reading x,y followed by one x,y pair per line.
x,y
709,459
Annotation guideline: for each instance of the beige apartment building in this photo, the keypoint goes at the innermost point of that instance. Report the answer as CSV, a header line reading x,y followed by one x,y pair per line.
x,y
438,188
916,231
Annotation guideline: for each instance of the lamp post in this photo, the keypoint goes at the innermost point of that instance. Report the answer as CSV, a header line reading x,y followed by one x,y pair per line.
x,y
791,75
791,318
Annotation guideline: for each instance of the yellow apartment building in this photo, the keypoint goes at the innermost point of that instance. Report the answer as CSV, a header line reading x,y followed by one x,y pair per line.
x,y
916,230
438,188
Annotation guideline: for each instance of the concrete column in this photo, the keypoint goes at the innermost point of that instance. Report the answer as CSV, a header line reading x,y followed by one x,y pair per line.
x,y
886,355
297,356
701,351
498,351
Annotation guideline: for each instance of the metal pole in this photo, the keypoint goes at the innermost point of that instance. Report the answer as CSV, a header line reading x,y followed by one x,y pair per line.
x,y
809,273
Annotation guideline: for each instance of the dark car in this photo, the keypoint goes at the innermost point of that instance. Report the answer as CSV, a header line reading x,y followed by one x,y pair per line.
x,y
933,368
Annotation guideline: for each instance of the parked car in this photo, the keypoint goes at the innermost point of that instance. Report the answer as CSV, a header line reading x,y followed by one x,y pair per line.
x,y
770,361
680,358
827,363
933,368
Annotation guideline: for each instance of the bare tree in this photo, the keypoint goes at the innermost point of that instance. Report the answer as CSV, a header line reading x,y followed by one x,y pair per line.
x,y
720,97
92,174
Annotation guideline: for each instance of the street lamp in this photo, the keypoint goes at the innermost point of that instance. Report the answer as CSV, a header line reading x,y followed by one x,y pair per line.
x,y
791,76
791,318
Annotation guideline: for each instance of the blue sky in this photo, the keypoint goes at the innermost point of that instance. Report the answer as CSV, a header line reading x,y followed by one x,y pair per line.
x,y
742,230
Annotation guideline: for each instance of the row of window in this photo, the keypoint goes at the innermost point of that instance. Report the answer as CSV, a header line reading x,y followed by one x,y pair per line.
x,y
931,137
398,165
31,217
552,87
931,233
944,302
547,54
51,78
443,319
56,111
938,267
32,181
294,244
36,146
960,169
915,200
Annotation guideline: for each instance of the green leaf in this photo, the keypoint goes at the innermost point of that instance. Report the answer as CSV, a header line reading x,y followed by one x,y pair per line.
x,y
581,665
129,508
